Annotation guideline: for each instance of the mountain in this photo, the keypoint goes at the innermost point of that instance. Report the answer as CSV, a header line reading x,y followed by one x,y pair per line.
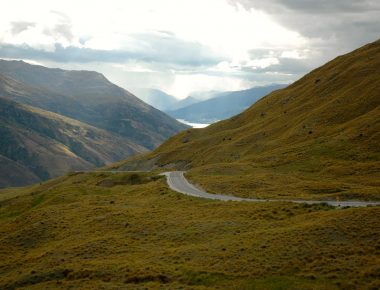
x,y
36,145
161,100
39,97
156,98
15,174
222,105
317,138
89,97
184,103
205,95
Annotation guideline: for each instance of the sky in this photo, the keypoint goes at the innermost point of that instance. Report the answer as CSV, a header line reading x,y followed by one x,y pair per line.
x,y
185,46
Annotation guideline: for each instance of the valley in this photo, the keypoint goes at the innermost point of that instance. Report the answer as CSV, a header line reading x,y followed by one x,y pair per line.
x,y
316,139
190,145
314,165
54,121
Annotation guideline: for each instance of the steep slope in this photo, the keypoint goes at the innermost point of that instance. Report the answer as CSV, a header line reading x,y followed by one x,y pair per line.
x,y
222,105
92,99
317,138
40,97
156,98
36,145
13,173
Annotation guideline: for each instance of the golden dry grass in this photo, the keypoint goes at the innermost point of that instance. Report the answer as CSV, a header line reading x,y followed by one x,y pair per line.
x,y
129,231
318,137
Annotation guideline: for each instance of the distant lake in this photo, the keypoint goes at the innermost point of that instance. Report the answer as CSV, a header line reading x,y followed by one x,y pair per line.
x,y
194,125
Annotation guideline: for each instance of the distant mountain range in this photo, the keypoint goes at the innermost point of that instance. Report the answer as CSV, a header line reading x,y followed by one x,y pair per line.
x,y
53,121
156,98
222,105
205,107
161,100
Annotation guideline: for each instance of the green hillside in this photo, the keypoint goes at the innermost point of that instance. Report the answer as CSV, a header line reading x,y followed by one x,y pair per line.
x,y
318,138
128,231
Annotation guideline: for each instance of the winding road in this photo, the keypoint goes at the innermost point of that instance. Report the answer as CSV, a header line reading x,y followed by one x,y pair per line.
x,y
178,182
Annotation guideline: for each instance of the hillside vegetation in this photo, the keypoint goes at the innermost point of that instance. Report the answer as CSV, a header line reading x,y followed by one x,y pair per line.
x,y
89,97
53,121
318,138
36,145
128,231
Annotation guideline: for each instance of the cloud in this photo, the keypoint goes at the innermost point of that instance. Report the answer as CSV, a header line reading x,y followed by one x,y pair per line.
x,y
166,43
20,26
311,6
164,46
148,47
287,66
330,27
61,29
341,25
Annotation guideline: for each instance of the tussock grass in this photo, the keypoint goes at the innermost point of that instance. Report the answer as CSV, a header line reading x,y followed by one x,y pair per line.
x,y
73,232
317,136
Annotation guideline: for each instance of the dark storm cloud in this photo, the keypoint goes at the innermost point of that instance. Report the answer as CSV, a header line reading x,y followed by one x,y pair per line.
x,y
152,48
312,6
20,26
329,6
331,28
343,23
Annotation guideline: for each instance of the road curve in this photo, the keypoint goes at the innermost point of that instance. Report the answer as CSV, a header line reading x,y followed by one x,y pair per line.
x,y
177,182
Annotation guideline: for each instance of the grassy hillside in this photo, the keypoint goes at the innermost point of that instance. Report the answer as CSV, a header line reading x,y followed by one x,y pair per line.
x,y
89,97
317,138
128,231
36,145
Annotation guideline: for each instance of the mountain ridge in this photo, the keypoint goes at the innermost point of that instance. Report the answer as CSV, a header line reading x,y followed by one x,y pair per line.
x,y
222,105
49,145
322,127
89,97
